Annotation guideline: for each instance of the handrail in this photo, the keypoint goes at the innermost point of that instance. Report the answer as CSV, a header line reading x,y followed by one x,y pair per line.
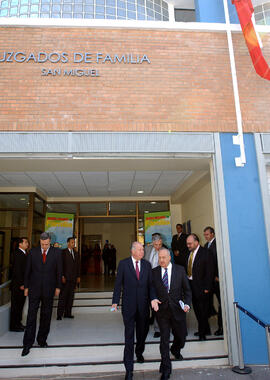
x,y
5,284
241,368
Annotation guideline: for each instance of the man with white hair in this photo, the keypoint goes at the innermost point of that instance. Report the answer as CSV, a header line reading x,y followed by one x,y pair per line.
x,y
134,281
174,299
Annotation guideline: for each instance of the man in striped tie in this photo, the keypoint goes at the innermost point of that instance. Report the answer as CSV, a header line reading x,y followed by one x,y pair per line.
x,y
171,286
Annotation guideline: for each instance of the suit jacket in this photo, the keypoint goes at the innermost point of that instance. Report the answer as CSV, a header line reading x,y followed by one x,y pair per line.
x,y
179,290
71,267
181,246
19,264
147,252
136,294
213,251
202,272
42,279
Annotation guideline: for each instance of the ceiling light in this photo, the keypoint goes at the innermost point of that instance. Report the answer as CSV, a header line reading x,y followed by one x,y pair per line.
x,y
22,199
146,212
153,203
140,192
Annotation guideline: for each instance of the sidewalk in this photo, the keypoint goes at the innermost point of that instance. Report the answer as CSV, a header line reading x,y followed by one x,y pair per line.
x,y
222,373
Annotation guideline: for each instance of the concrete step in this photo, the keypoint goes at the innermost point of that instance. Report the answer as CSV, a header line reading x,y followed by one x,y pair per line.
x,y
102,358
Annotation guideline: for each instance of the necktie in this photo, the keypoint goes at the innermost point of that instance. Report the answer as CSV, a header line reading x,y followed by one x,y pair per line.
x,y
209,243
72,254
44,255
189,270
137,270
165,279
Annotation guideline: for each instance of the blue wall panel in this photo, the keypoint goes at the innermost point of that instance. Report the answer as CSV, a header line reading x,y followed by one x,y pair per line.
x,y
213,11
248,244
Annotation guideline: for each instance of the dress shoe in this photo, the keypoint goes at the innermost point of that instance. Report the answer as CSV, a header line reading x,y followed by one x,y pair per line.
x,y
156,334
202,338
17,329
25,351
69,316
140,359
59,318
43,345
176,354
129,375
219,332
165,376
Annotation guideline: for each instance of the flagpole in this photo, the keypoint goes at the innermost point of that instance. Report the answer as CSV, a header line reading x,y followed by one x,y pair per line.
x,y
237,139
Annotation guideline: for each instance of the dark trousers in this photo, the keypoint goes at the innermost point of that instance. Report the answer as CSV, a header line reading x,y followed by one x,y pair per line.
x,y
166,323
44,323
201,306
216,291
17,304
141,324
66,297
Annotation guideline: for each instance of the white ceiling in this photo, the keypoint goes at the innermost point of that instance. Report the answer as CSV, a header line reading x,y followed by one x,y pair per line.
x,y
98,183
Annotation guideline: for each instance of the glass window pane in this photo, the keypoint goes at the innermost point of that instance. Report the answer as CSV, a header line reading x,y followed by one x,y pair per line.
x,y
78,15
34,15
68,208
131,7
110,11
45,8
78,1
14,2
110,17
56,15
24,1
157,16
13,11
89,8
140,2
131,15
146,207
56,8
157,8
67,15
89,1
88,15
110,3
67,8
141,17
149,4
121,12
100,2
38,223
100,10
4,4
78,8
34,8
38,205
140,9
122,208
121,4
20,201
44,15
91,209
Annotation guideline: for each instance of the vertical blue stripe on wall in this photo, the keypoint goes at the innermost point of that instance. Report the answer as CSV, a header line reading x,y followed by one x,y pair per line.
x,y
248,244
213,11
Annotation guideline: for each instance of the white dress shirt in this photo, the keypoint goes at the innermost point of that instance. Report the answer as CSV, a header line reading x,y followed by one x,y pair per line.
x,y
169,271
134,263
22,250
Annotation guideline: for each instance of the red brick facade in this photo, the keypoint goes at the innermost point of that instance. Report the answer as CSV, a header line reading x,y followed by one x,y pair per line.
x,y
186,87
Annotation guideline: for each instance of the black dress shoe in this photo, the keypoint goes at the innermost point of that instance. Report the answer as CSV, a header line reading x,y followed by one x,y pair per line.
x,y
43,345
129,375
140,359
207,333
156,334
165,376
176,354
69,316
25,351
59,318
202,337
219,332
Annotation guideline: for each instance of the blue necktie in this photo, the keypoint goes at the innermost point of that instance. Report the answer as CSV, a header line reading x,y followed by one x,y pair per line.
x,y
165,279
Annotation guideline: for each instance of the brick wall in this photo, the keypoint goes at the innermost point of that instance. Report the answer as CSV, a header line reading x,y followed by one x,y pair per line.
x,y
186,87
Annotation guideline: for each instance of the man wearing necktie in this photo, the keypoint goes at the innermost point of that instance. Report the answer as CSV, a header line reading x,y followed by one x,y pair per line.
x,y
179,246
200,272
70,278
134,281
42,281
171,286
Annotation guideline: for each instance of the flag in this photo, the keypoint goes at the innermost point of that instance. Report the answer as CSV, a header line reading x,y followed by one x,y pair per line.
x,y
245,11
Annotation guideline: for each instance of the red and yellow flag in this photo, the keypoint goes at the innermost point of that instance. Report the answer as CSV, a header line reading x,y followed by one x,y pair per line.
x,y
245,10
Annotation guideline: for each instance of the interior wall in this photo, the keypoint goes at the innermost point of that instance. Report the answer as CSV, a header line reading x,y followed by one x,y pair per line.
x,y
176,216
121,235
199,210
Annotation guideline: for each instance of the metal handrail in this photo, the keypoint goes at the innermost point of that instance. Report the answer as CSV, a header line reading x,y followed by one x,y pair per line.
x,y
241,368
4,285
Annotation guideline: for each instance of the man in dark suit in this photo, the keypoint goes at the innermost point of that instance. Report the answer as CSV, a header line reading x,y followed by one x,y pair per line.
x,y
200,273
134,280
171,285
70,278
17,287
179,246
42,281
209,234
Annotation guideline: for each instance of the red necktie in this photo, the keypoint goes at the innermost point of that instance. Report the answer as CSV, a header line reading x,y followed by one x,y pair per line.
x,y
44,255
137,270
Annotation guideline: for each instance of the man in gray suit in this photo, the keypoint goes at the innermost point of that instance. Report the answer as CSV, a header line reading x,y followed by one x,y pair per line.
x,y
151,254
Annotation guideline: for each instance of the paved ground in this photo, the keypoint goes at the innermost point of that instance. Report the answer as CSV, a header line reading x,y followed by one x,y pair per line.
x,y
222,373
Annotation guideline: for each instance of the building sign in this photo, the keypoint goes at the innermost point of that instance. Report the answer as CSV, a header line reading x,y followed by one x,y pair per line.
x,y
60,227
85,58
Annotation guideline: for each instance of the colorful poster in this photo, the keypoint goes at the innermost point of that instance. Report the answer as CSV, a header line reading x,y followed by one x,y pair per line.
x,y
60,227
158,222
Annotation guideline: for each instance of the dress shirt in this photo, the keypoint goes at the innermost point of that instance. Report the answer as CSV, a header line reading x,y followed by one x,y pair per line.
x,y
72,253
169,271
210,242
22,250
193,258
46,252
154,258
134,263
